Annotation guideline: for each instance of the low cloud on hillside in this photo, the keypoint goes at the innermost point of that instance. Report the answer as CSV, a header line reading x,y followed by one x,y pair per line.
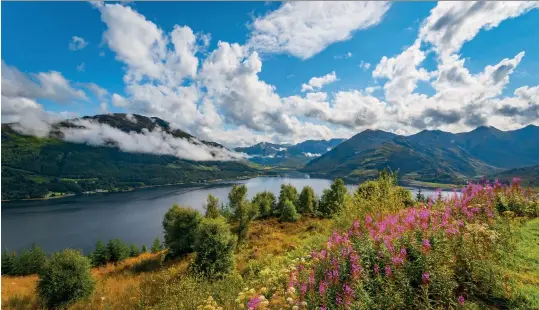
x,y
156,141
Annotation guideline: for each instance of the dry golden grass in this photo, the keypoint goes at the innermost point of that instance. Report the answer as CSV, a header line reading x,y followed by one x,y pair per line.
x,y
272,238
118,286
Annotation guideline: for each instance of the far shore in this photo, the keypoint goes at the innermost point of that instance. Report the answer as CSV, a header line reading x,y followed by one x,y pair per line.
x,y
417,184
138,188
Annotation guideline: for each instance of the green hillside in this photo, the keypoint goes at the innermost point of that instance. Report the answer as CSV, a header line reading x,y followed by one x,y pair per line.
x,y
37,167
529,175
430,156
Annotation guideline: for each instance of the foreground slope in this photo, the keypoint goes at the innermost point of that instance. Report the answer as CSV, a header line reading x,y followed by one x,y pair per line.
x,y
36,167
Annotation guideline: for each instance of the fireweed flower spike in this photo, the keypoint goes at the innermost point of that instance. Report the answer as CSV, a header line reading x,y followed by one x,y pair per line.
x,y
426,277
400,239
461,300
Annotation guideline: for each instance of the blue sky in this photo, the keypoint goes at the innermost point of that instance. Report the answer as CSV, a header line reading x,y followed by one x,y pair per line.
x,y
253,93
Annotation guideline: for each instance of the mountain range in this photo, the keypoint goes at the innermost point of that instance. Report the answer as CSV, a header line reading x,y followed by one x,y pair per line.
x,y
35,167
430,155
120,152
288,155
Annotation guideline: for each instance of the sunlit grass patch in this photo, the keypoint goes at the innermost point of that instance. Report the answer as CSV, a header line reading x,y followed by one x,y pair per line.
x,y
522,268
270,238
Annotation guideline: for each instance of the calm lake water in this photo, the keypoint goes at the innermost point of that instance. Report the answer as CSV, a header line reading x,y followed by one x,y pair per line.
x,y
135,217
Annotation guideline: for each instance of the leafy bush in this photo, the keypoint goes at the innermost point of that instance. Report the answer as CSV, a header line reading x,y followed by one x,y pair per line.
x,y
236,197
288,213
100,256
212,207
242,211
245,213
134,251
307,202
156,246
288,192
265,202
117,250
8,261
333,199
215,248
514,198
29,261
180,226
143,249
64,279
381,195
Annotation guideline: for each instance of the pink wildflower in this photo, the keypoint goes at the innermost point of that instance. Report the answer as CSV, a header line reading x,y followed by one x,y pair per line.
x,y
253,302
426,244
388,271
368,220
461,300
322,287
403,251
426,277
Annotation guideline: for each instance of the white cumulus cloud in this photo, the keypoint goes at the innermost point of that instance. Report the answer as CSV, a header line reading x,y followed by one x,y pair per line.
x,y
305,28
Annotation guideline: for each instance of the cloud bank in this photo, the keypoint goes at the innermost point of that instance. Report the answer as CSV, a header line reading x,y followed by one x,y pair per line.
x,y
219,95
156,141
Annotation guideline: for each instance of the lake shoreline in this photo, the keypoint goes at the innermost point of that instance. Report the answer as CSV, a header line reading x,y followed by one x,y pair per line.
x,y
189,184
416,184
134,217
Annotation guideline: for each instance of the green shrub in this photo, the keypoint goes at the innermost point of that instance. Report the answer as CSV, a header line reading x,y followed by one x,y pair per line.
x,y
265,202
288,192
236,197
215,248
100,256
117,250
29,261
381,195
288,213
245,213
156,246
333,199
134,251
180,225
212,207
307,203
8,261
143,249
64,279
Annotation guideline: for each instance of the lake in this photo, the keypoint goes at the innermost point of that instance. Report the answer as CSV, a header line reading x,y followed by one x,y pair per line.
x,y
135,217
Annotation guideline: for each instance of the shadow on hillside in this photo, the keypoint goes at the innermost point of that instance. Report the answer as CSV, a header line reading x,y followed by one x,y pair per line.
x,y
142,266
19,302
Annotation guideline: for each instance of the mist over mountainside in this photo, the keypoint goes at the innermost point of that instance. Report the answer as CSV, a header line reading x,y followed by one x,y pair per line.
x,y
111,152
124,151
286,155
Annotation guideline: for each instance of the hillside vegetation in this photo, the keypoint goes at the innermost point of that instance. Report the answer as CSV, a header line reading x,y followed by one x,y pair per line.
x,y
430,156
375,248
40,167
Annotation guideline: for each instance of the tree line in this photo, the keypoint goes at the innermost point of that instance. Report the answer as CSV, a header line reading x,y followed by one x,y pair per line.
x,y
215,235
31,261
